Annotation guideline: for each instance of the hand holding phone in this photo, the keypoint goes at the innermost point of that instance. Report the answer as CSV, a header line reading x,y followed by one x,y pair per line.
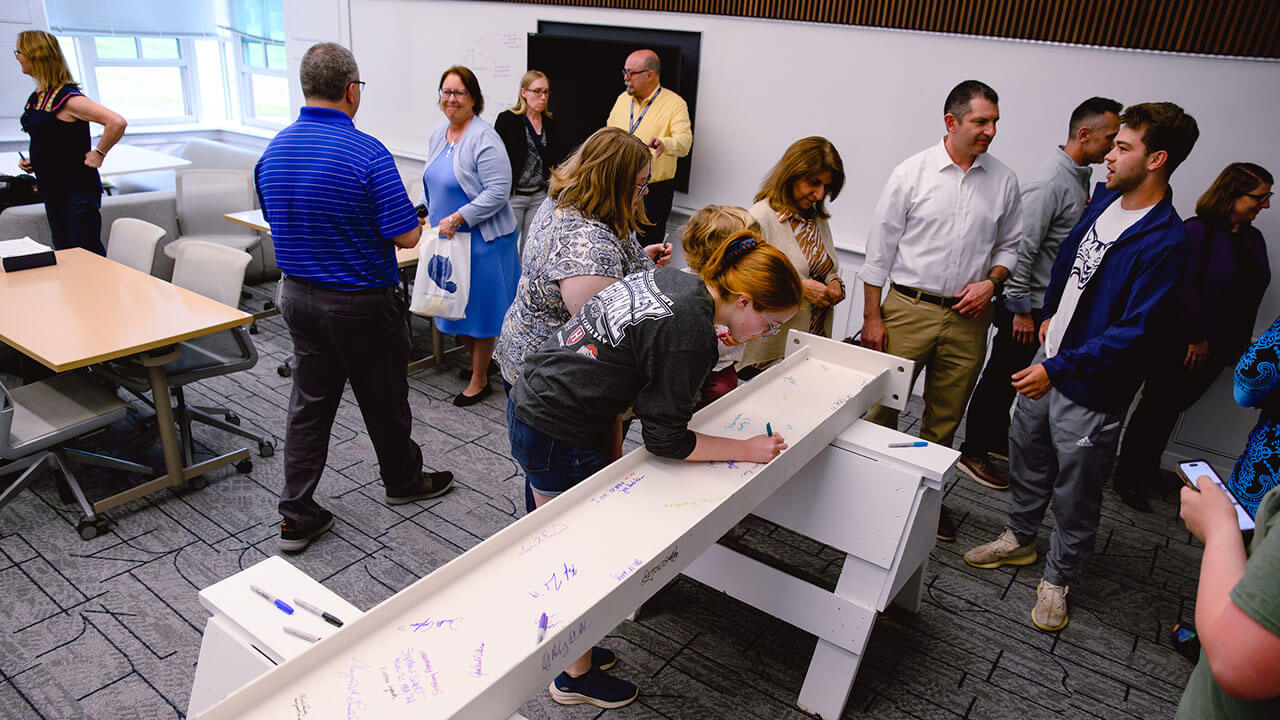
x,y
1192,473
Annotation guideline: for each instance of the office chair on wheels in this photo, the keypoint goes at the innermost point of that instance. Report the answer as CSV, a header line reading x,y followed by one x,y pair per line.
x,y
215,271
37,419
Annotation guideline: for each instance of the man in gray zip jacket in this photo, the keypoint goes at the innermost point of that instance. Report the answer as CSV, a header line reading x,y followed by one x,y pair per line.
x,y
1053,198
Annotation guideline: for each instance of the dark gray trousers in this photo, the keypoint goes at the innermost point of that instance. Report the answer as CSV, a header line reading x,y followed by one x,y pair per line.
x,y
1060,453
339,337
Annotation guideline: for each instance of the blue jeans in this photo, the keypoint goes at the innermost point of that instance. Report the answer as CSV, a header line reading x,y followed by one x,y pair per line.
x,y
75,221
551,466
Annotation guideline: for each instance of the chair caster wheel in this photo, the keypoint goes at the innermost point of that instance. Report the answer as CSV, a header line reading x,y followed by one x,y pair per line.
x,y
90,529
244,467
266,448
284,371
232,418
269,305
198,482
253,329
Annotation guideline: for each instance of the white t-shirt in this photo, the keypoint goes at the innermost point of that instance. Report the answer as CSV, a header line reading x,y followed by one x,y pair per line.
x,y
1097,240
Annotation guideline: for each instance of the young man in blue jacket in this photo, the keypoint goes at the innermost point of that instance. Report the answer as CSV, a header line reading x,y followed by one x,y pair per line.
x,y
1104,306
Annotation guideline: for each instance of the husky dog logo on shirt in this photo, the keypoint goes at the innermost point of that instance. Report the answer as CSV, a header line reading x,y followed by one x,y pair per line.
x,y
633,299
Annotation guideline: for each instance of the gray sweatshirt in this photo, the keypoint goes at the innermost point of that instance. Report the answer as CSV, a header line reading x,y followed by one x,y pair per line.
x,y
647,341
1053,199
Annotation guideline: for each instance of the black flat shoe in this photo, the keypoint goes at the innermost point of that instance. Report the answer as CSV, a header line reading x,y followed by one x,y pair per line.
x,y
462,400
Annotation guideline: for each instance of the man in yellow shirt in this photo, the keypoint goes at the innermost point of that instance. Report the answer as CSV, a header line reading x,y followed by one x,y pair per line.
x,y
660,118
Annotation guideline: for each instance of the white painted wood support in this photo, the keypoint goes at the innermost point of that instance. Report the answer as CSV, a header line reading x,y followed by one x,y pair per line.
x,y
877,504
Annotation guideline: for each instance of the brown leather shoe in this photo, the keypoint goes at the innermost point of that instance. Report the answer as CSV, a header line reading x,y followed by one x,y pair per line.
x,y
983,472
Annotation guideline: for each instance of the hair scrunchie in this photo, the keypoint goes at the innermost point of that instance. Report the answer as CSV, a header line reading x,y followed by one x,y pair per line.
x,y
739,248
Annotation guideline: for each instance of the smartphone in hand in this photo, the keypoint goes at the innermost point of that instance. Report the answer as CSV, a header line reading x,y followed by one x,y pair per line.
x,y
1190,473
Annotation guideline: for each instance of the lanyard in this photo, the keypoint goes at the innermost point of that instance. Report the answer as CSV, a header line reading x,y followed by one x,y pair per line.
x,y
635,121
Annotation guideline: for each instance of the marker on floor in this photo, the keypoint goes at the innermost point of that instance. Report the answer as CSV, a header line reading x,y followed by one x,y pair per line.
x,y
917,443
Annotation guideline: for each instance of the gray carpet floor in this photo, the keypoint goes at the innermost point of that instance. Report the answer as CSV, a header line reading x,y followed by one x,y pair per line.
x,y
111,627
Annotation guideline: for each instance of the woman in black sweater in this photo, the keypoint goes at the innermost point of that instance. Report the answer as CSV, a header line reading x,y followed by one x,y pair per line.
x,y
534,145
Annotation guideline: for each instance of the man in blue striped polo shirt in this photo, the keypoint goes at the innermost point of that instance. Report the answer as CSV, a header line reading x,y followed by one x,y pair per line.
x,y
337,210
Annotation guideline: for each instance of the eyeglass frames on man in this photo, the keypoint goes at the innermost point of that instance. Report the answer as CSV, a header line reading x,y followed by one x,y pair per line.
x,y
628,74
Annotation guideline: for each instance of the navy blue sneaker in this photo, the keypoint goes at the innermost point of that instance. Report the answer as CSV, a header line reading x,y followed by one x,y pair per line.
x,y
603,658
595,687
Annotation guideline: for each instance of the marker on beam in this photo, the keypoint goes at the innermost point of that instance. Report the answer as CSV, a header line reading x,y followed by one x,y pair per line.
x,y
328,617
542,627
917,443
284,606
300,634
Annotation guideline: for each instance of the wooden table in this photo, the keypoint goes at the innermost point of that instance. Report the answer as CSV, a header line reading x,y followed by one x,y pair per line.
x,y
405,258
122,160
88,309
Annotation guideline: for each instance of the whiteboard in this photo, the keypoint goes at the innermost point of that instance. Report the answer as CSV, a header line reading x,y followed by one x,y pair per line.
x,y
402,47
462,642
877,94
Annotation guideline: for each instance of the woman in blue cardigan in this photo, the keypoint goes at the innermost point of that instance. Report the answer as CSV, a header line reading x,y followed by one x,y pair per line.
x,y
465,188
1216,307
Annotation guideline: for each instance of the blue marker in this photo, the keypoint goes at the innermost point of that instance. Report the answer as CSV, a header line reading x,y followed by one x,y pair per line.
x,y
768,429
284,606
542,627
917,443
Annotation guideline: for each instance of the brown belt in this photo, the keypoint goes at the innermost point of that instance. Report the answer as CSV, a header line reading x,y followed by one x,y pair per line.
x,y
945,301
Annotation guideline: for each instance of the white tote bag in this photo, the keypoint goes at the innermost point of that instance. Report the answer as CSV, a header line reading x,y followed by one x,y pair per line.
x,y
443,281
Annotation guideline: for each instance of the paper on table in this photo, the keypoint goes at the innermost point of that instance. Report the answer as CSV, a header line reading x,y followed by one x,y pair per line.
x,y
21,246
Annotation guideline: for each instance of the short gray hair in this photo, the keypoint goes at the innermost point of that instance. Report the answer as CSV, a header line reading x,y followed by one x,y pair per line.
x,y
327,70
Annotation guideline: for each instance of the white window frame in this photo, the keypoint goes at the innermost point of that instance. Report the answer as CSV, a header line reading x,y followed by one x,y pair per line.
x,y
89,62
244,76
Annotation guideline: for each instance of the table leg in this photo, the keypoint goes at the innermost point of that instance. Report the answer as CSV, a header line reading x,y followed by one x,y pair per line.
x,y
908,597
175,473
829,680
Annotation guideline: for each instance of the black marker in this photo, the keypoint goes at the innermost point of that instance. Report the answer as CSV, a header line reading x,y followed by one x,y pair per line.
x,y
331,619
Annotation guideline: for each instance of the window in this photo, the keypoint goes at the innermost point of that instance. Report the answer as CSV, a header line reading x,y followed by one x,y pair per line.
x,y
145,79
264,84
258,27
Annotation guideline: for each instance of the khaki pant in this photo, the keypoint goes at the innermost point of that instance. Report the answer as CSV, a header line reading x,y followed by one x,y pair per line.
x,y
951,346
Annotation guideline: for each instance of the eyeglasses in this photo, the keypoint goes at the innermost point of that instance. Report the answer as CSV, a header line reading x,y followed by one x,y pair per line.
x,y
455,94
17,53
361,83
1260,197
641,188
627,74
774,328
540,93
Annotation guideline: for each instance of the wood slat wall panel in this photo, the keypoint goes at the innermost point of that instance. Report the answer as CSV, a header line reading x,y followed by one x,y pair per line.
x,y
1248,28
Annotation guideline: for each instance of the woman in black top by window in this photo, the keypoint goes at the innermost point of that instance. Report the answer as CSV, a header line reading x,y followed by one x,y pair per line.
x,y
57,117
534,144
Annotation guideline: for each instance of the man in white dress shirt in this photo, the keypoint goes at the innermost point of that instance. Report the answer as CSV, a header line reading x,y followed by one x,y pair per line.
x,y
946,232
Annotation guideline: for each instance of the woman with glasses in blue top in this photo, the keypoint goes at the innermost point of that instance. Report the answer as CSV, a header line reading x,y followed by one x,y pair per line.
x,y
465,188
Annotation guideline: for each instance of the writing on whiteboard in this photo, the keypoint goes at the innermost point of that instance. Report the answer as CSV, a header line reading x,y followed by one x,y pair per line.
x,y
355,703
558,579
432,624
694,503
543,535
560,649
651,572
628,570
622,486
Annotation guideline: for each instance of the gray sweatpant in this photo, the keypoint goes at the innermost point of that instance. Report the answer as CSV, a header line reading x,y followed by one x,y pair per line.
x,y
1061,452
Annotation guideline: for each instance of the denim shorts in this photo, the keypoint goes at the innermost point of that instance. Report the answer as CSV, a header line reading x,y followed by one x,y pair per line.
x,y
551,466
